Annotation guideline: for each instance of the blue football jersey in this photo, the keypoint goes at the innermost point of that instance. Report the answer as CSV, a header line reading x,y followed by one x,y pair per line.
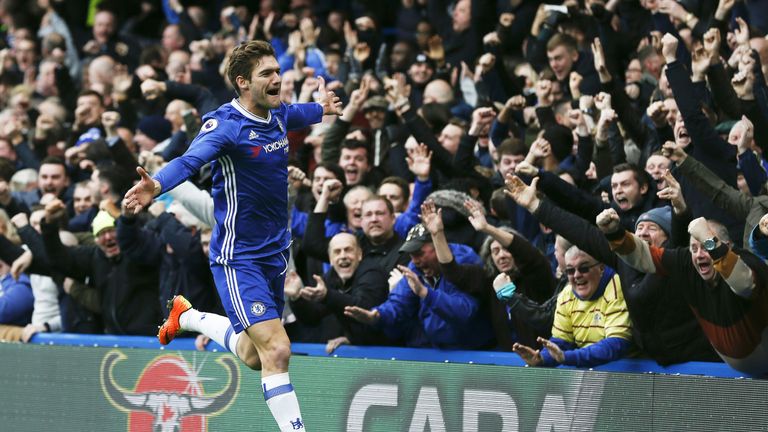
x,y
250,176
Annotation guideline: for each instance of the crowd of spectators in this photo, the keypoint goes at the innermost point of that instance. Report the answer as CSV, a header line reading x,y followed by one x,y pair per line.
x,y
577,181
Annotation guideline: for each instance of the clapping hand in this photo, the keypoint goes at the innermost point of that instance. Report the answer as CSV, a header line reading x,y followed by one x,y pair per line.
x,y
554,350
316,293
417,287
293,285
365,316
530,356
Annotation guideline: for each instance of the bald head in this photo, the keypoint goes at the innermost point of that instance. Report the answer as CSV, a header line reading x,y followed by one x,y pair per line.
x,y
438,91
345,254
101,70
173,113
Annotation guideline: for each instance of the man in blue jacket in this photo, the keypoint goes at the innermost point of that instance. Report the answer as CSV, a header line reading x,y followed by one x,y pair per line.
x,y
424,308
16,299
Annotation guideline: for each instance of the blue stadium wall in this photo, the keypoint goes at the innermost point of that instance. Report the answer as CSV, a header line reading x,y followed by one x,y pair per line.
x,y
68,383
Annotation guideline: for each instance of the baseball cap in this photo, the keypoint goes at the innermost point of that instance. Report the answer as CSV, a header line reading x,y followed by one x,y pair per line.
x,y
422,58
101,222
375,103
417,237
88,136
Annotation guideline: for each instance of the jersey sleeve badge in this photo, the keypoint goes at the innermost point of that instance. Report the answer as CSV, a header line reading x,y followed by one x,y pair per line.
x,y
209,125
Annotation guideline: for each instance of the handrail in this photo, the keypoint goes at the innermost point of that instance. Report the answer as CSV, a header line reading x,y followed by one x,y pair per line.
x,y
631,365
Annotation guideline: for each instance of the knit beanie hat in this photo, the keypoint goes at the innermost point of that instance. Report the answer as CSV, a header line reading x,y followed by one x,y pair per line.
x,y
155,127
661,216
101,222
560,139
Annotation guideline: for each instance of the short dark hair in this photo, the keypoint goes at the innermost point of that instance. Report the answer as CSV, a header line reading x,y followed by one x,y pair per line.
x,y
645,52
353,144
152,55
244,58
335,169
333,51
640,175
399,182
511,146
54,160
89,92
119,179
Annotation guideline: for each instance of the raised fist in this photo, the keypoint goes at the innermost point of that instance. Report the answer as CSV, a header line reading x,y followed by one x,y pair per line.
x,y
608,221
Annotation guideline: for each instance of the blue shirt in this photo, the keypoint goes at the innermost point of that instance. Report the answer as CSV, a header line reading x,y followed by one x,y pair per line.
x,y
249,156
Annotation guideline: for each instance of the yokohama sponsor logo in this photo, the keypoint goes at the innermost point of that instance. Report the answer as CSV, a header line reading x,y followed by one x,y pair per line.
x,y
282,144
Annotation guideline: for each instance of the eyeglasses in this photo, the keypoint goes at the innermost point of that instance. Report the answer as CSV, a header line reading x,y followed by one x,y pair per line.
x,y
583,269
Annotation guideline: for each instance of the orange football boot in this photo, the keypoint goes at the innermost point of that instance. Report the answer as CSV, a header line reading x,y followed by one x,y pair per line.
x,y
171,326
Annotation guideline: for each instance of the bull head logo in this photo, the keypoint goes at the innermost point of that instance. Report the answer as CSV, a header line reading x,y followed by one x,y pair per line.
x,y
168,394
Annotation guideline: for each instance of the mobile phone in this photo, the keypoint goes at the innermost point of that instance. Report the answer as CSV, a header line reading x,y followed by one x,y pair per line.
x,y
556,8
192,122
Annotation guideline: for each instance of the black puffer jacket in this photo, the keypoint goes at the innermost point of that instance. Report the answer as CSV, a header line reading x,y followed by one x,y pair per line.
x,y
129,290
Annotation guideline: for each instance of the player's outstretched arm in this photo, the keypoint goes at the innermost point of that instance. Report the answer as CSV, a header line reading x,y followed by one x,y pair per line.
x,y
142,193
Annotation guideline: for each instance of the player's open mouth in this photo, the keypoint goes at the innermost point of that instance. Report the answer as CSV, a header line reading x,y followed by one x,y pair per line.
x,y
274,91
